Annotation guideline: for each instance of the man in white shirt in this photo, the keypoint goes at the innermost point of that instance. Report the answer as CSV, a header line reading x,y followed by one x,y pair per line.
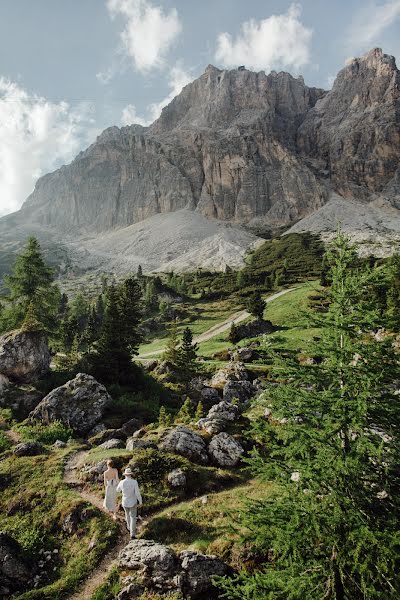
x,y
131,497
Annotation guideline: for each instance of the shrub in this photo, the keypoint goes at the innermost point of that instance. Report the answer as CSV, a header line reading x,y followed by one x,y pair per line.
x,y
45,434
4,442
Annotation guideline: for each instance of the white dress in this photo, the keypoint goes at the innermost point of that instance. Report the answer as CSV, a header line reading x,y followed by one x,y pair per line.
x,y
110,499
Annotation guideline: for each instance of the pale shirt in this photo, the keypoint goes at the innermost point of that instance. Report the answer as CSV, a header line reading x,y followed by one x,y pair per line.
x,y
130,492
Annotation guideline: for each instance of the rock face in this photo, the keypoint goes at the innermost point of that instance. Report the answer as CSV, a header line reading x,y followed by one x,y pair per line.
x,y
233,371
15,574
24,355
186,442
224,450
198,571
79,404
241,147
156,564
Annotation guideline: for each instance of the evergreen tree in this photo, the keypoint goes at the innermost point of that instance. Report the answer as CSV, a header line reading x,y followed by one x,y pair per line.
x,y
185,413
256,305
172,348
199,414
150,296
233,335
131,314
139,272
393,294
164,418
187,356
331,529
30,286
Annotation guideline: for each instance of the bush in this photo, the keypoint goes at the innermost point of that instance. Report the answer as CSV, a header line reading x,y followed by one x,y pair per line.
x,y
4,442
45,434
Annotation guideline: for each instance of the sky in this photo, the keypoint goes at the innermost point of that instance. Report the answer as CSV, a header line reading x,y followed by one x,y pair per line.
x,y
69,69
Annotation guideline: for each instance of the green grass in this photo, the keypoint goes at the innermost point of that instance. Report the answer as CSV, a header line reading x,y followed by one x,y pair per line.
x,y
32,508
208,527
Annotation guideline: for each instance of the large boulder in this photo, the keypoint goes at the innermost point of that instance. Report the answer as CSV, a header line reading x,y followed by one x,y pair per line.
x,y
212,426
238,390
28,449
24,355
233,371
197,573
252,329
177,478
80,404
224,450
155,564
112,444
219,417
15,573
185,442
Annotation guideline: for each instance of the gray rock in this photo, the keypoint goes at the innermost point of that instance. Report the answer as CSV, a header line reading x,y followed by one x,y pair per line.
x,y
24,355
243,354
22,399
111,444
242,391
130,427
106,436
133,443
210,395
28,449
58,444
197,573
155,564
186,442
224,410
252,329
99,428
177,478
15,573
95,472
224,450
212,425
234,371
79,404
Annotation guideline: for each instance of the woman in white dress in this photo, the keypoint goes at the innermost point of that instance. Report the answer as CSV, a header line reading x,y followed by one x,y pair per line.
x,y
111,481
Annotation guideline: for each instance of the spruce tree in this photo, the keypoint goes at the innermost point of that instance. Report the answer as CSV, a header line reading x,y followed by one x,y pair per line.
x,y
185,413
331,529
186,358
131,313
30,286
199,414
172,348
256,305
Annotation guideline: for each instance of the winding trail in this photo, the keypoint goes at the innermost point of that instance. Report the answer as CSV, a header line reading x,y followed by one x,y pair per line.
x,y
109,560
220,327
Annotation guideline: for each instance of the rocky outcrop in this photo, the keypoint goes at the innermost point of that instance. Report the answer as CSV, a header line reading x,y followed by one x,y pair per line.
x,y
177,478
28,449
22,399
224,450
233,371
24,355
187,443
158,568
252,329
112,444
219,417
15,573
79,404
240,391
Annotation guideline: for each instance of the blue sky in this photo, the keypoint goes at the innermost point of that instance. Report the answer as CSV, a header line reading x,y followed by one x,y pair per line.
x,y
68,69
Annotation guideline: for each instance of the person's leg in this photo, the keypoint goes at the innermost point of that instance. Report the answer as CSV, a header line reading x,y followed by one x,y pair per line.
x,y
133,515
127,518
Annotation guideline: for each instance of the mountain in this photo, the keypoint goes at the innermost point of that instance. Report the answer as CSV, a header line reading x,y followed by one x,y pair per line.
x,y
244,148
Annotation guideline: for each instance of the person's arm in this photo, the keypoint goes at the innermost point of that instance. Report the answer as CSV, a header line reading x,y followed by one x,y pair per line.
x,y
138,494
119,487
105,480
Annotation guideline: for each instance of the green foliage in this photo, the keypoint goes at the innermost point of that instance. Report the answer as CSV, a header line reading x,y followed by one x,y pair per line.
x,y
5,443
199,413
45,434
332,531
172,346
32,297
233,334
164,418
256,305
185,413
186,358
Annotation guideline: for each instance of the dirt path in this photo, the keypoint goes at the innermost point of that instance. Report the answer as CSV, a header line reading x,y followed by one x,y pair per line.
x,y
99,575
221,327
12,435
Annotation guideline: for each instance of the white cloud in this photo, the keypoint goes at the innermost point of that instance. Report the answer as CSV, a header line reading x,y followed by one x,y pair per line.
x,y
279,41
130,116
36,136
370,22
148,34
178,78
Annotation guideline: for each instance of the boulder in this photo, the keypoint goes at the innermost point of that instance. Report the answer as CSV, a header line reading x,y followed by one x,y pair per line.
x,y
58,444
224,450
224,410
133,443
99,428
234,371
28,449
155,564
113,443
245,354
130,427
253,329
15,573
107,435
209,395
212,426
80,404
24,355
197,573
177,478
95,472
185,442
238,390
22,399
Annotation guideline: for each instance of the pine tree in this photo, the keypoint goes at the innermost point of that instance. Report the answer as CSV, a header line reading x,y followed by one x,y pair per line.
x,y
186,358
131,313
331,529
139,272
256,305
30,286
164,418
172,348
199,414
150,296
185,413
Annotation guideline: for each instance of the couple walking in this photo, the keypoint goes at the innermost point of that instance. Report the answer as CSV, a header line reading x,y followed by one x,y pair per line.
x,y
131,495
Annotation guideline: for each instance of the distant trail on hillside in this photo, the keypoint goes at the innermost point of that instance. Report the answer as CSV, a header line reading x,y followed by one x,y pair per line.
x,y
221,327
